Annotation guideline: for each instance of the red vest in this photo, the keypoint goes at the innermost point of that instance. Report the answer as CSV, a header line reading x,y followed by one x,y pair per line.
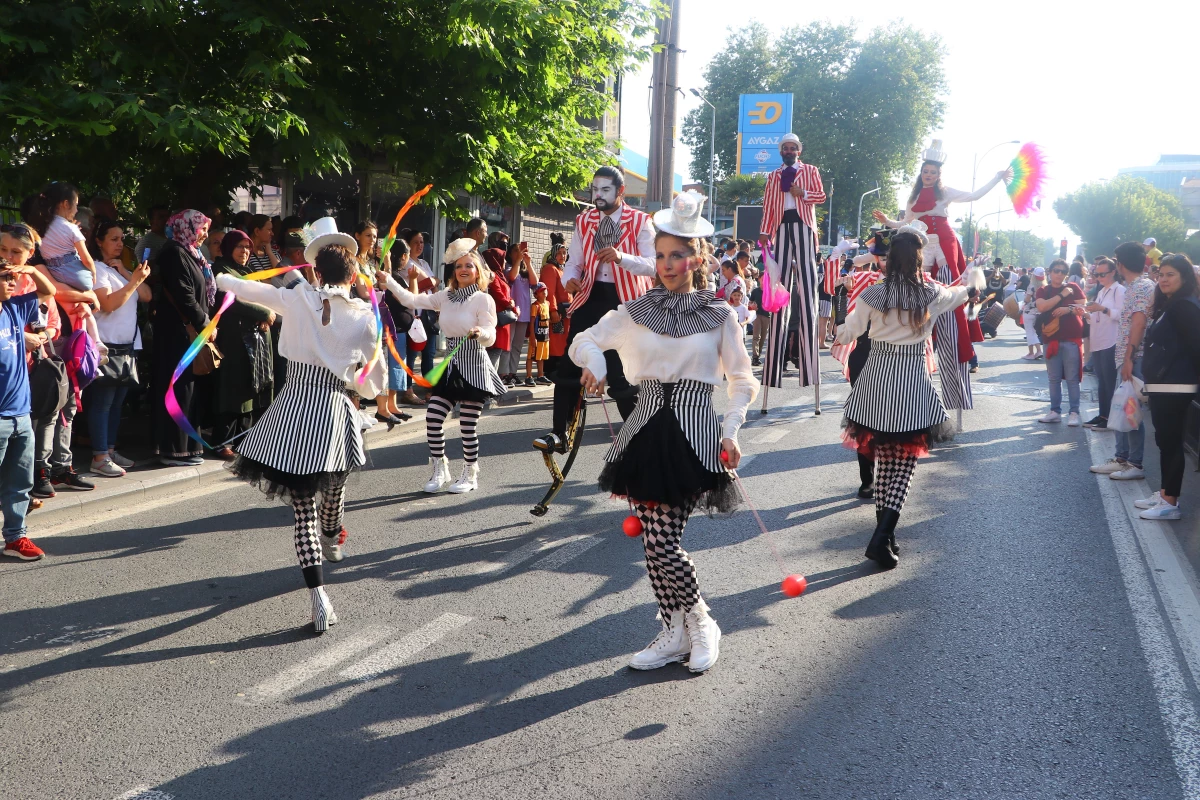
x,y
629,286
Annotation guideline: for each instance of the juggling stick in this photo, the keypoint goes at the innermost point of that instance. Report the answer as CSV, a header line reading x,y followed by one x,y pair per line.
x,y
632,526
794,584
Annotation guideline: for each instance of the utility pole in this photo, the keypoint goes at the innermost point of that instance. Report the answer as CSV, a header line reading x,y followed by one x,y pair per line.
x,y
660,182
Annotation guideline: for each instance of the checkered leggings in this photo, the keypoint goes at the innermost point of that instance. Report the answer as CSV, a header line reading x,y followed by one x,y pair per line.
x,y
436,411
672,573
310,515
893,474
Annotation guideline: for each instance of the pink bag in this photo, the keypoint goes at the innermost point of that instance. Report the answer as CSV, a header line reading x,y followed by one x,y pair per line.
x,y
774,295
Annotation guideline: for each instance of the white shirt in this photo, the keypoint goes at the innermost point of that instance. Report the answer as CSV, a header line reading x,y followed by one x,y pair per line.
x,y
641,263
119,326
707,357
1106,326
744,315
455,319
893,326
939,208
60,238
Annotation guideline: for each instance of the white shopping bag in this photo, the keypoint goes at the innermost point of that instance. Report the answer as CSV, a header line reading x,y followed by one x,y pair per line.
x,y
1128,406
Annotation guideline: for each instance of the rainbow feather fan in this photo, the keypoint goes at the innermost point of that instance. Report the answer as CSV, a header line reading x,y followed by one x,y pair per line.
x,y
1029,179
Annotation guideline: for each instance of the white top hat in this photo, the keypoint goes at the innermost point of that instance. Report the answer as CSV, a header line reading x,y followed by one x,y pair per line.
x,y
324,232
790,137
935,153
920,229
457,249
683,217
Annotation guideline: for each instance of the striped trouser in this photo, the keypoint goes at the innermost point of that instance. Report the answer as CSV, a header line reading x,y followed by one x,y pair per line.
x,y
672,573
437,409
795,248
956,377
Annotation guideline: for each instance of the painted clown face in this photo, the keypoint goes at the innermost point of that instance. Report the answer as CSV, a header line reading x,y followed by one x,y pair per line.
x,y
606,195
790,151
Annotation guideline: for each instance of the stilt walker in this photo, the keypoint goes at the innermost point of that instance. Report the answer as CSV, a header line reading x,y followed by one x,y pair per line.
x,y
309,440
679,343
944,260
789,223
893,408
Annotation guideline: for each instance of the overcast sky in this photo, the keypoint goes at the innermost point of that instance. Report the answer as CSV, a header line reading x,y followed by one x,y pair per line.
x,y
1040,71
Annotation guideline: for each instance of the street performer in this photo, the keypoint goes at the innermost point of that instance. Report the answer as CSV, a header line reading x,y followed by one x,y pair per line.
x,y
789,224
943,258
610,261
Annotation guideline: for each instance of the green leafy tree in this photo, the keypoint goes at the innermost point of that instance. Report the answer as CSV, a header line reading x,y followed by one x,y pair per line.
x,y
1124,209
186,101
741,190
1018,248
862,107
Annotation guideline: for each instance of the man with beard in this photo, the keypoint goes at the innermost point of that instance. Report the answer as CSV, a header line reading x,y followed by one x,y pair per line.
x,y
789,224
610,261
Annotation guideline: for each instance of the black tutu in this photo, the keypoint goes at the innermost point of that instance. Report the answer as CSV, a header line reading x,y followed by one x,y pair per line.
x,y
660,466
454,388
285,486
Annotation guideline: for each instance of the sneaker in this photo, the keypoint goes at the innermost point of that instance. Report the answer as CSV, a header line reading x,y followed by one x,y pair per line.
x,y
1130,473
1053,416
1163,511
509,380
365,421
106,468
1109,467
1149,502
331,546
705,639
670,646
181,461
322,610
974,370
28,551
1073,420
544,381
1096,423
468,481
42,487
70,479
755,362
120,460
530,382
1029,357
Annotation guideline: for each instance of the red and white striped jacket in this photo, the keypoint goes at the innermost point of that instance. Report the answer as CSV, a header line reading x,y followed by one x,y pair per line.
x,y
809,179
629,286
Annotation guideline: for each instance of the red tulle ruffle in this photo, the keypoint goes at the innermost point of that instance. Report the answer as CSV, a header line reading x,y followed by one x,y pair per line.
x,y
864,441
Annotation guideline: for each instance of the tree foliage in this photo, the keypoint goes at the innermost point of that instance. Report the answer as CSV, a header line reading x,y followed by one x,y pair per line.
x,y
185,101
1017,247
741,190
1124,209
863,108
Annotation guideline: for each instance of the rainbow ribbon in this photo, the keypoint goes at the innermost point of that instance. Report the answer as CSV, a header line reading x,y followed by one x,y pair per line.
x,y
170,401
437,372
362,373
265,274
419,380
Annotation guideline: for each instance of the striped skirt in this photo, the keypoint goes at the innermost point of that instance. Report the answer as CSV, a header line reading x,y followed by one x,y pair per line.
x,y
893,400
308,440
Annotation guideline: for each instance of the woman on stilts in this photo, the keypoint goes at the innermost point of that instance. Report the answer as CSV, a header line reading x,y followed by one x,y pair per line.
x,y
893,408
677,342
467,316
309,441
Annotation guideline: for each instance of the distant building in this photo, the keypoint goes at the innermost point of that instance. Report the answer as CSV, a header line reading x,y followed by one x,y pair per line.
x,y
1176,174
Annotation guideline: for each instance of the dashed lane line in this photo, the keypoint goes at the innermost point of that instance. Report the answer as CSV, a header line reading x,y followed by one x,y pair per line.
x,y
300,673
144,793
567,552
771,435
402,650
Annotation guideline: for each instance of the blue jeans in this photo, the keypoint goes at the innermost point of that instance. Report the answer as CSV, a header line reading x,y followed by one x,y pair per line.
x,y
104,416
1131,446
16,473
69,269
397,377
1064,365
1104,362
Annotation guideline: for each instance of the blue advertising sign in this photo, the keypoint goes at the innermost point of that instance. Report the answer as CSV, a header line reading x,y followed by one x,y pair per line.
x,y
762,120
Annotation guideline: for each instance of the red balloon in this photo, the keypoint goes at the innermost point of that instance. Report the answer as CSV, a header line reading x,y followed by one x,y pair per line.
x,y
794,585
632,526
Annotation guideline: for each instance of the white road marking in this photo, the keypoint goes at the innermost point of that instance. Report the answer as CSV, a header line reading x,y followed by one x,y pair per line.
x,y
510,560
1179,713
144,793
400,651
295,675
746,461
567,552
771,435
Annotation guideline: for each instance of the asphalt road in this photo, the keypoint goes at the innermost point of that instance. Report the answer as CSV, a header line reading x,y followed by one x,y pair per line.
x,y
481,651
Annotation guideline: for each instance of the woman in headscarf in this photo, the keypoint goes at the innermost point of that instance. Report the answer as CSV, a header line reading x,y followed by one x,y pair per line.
x,y
187,292
245,381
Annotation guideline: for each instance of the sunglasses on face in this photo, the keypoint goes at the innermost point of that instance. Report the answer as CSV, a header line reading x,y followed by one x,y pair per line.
x,y
1103,274
1058,272
9,277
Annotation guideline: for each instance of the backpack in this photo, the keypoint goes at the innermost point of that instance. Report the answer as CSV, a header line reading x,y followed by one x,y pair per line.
x,y
82,361
48,385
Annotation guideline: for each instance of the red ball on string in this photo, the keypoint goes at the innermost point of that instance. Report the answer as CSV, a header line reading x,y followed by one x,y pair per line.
x,y
794,585
725,456
632,526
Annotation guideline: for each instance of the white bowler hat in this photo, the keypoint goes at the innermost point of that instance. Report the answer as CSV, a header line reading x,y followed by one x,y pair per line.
x,y
790,137
934,153
1149,243
322,233
458,248
683,217
920,229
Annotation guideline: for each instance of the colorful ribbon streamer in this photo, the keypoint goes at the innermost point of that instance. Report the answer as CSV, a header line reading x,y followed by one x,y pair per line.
x,y
437,372
362,373
265,274
170,401
419,380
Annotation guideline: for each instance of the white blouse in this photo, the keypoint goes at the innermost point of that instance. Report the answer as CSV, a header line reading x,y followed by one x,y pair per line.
x,y
893,326
455,319
939,209
707,357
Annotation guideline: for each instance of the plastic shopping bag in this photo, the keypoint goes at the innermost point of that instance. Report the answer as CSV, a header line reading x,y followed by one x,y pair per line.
x,y
417,336
774,295
1128,406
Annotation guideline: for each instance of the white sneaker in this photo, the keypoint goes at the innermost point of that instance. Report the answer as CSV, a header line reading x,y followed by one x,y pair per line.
x,y
468,481
322,610
1029,357
107,469
705,637
670,646
1163,511
1053,416
441,475
1130,473
120,460
1149,502
365,421
1109,467
1073,420
330,549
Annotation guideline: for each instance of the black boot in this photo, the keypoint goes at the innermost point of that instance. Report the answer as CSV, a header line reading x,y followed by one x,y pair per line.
x,y
895,548
866,473
880,550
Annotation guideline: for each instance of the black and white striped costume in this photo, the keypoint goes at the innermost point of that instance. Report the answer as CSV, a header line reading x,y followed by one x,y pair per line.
x,y
678,347
794,327
955,376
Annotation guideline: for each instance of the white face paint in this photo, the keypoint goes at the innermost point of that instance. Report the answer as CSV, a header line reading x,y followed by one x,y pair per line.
x,y
605,193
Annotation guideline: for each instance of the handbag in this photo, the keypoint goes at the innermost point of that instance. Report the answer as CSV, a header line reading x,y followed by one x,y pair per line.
x,y
505,317
209,357
121,367
49,389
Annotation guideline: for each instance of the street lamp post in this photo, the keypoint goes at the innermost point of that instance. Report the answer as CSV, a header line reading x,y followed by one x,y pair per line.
x,y
712,138
992,214
858,226
974,171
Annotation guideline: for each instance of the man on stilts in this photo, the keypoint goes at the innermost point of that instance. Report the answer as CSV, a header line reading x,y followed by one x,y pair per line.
x,y
610,261
789,223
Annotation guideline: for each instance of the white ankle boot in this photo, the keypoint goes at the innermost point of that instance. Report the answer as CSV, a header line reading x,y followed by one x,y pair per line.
x,y
669,646
441,475
468,481
322,610
704,636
